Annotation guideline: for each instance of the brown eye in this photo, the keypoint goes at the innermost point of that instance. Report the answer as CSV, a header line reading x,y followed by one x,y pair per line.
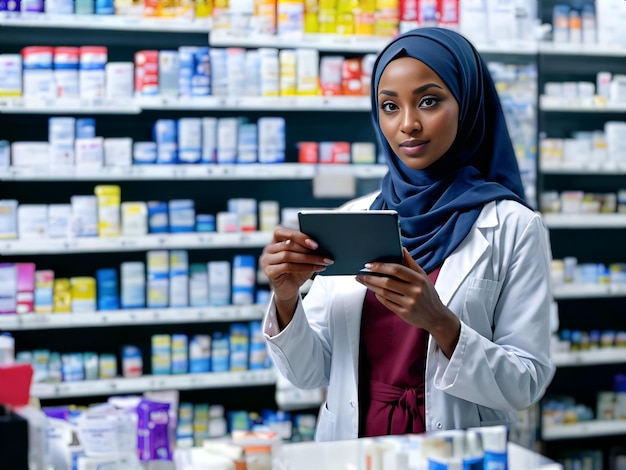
x,y
388,107
429,102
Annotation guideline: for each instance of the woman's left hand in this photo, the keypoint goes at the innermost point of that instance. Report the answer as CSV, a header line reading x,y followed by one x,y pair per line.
x,y
406,290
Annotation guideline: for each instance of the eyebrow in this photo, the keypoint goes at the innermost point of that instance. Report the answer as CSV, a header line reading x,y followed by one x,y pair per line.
x,y
417,90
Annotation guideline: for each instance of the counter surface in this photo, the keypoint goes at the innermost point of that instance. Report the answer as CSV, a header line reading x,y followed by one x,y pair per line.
x,y
347,455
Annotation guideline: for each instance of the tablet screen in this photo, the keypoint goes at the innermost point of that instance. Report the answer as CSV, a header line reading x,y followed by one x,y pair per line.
x,y
353,238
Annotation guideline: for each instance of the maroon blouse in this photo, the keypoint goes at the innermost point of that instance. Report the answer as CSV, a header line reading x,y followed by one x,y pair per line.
x,y
392,363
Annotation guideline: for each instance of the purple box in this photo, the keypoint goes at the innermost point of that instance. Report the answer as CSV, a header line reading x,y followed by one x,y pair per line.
x,y
153,441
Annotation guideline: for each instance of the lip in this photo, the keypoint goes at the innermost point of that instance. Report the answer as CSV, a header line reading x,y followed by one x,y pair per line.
x,y
413,146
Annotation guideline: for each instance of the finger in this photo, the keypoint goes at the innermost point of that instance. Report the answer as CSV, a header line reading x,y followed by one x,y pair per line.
x,y
294,255
387,270
286,245
411,263
273,248
384,285
290,252
282,234
275,271
400,301
392,303
386,295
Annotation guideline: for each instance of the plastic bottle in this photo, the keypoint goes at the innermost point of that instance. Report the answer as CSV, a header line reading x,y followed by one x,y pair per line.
x,y
7,349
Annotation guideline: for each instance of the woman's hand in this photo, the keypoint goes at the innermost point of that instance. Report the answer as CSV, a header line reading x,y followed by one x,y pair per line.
x,y
406,290
288,262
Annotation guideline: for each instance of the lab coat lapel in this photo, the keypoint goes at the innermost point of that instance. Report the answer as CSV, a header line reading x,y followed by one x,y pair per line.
x,y
352,310
460,263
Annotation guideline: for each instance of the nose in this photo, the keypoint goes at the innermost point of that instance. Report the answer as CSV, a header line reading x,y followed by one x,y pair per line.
x,y
410,121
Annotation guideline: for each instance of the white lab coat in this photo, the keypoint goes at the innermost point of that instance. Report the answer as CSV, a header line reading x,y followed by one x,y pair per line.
x,y
497,282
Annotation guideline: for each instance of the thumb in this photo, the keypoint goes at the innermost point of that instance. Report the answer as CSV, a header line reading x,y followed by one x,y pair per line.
x,y
411,263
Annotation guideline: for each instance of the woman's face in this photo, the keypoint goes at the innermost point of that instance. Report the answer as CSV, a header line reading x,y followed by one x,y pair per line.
x,y
418,114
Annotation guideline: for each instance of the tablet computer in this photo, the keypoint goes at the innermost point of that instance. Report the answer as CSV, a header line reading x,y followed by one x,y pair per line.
x,y
353,238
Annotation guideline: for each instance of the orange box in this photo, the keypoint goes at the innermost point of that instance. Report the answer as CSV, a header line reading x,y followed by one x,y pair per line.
x,y
150,7
351,77
307,152
340,152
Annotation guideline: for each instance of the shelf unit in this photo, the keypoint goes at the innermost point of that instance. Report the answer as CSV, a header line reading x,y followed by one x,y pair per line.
x,y
289,182
106,22
201,103
560,105
577,291
586,50
592,357
580,168
352,44
225,172
140,316
585,430
585,221
125,243
579,359
209,185
591,238
211,380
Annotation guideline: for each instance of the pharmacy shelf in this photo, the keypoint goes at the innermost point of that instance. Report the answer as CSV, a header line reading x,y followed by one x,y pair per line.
x,y
200,103
163,172
204,240
346,43
583,168
590,357
594,50
256,103
248,171
555,104
67,106
128,23
586,291
86,388
149,316
585,221
508,48
358,170
321,42
584,430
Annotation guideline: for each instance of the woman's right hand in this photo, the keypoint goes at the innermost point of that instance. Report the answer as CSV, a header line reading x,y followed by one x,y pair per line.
x,y
288,262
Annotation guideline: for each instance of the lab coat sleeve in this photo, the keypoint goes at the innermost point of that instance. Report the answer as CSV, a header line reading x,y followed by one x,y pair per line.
x,y
301,351
511,370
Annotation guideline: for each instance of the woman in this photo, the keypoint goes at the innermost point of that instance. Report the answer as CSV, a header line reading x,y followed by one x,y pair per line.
x,y
458,335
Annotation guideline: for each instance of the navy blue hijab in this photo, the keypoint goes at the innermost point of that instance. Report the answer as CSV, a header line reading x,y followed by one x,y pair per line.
x,y
439,205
